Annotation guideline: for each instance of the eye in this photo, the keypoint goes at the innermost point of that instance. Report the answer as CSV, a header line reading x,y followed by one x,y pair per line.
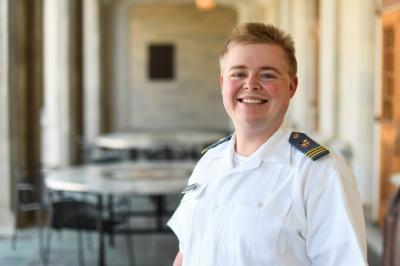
x,y
268,76
238,75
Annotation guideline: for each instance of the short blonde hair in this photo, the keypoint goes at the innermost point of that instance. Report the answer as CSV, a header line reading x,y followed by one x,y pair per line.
x,y
255,33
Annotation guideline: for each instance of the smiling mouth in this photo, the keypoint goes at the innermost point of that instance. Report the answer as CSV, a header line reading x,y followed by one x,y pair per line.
x,y
252,101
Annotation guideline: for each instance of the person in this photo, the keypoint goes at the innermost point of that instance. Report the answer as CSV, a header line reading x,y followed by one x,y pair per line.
x,y
267,195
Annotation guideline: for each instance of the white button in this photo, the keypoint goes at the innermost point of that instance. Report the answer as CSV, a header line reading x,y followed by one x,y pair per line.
x,y
216,206
260,204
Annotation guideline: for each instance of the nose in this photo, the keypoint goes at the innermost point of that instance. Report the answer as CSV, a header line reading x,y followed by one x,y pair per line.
x,y
252,83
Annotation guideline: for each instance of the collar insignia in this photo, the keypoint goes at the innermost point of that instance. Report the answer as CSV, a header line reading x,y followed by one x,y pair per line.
x,y
191,187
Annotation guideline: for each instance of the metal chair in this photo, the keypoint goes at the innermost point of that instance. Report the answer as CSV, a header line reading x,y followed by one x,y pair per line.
x,y
27,199
95,155
83,215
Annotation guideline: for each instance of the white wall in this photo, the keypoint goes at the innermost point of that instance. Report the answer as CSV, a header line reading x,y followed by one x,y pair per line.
x,y
356,87
122,68
249,11
192,99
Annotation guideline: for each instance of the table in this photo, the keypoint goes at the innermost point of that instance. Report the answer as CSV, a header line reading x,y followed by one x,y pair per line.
x,y
139,178
149,139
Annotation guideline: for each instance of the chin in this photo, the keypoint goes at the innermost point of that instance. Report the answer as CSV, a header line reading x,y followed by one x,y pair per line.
x,y
250,124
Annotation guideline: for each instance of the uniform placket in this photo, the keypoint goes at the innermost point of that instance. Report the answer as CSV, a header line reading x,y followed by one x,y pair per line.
x,y
216,207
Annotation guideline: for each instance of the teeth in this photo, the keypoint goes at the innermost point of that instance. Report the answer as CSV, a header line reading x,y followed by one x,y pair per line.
x,y
252,101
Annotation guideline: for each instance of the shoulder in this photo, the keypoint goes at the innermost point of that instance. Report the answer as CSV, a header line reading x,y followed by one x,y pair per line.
x,y
316,164
310,148
225,140
310,159
210,156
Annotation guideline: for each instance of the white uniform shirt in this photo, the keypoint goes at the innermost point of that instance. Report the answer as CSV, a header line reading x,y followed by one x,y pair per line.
x,y
278,207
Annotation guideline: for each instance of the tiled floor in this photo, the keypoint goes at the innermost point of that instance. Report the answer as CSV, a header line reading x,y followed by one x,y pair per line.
x,y
149,250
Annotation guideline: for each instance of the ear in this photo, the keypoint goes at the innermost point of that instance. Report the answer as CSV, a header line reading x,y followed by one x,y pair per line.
x,y
293,85
221,82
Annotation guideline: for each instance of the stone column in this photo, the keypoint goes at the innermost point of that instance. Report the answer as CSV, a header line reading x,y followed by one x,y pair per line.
x,y
91,69
296,20
356,73
328,68
75,64
106,64
26,86
64,100
55,122
5,180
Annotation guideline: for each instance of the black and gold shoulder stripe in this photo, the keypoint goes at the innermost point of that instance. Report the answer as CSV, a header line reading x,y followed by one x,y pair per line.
x,y
306,145
215,144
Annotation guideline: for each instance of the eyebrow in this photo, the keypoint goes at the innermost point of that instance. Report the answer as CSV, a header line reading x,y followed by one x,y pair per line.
x,y
262,68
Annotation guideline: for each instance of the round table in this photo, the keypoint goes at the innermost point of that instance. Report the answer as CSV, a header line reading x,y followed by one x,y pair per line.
x,y
154,179
153,139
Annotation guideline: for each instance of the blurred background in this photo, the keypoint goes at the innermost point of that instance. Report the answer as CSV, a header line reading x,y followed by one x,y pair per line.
x,y
74,70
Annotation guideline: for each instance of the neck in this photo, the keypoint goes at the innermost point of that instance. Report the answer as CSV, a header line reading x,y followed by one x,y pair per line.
x,y
247,142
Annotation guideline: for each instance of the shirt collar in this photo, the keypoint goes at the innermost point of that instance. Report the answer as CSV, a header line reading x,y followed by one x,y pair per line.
x,y
276,149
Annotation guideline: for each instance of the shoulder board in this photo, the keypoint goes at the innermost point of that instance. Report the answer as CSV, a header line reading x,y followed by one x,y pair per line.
x,y
215,144
306,145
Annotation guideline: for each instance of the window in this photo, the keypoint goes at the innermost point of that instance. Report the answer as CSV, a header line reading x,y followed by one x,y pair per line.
x,y
388,73
161,61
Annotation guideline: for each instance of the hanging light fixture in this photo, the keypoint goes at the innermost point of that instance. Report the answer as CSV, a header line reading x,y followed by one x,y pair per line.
x,y
205,5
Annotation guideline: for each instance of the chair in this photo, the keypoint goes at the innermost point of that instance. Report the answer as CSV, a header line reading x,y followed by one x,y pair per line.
x,y
167,152
391,233
95,155
83,215
27,199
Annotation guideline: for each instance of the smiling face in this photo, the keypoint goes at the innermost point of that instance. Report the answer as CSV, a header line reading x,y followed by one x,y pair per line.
x,y
256,86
